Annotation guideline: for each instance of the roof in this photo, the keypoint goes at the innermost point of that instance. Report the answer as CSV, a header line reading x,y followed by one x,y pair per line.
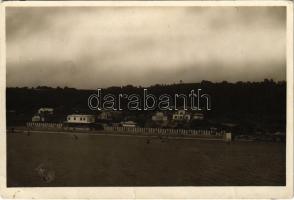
x,y
129,122
46,108
80,115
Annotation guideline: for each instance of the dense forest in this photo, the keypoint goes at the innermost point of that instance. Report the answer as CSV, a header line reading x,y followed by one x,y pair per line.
x,y
259,104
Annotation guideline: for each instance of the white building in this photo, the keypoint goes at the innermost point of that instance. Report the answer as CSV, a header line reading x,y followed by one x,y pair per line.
x,y
128,124
80,118
43,115
181,115
45,111
159,116
228,137
198,116
36,118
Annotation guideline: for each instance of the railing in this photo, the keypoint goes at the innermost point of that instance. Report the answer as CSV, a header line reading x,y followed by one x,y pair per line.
x,y
161,131
44,125
217,134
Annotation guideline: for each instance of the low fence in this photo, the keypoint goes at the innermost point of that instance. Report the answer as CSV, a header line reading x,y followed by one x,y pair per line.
x,y
138,131
55,126
170,132
44,125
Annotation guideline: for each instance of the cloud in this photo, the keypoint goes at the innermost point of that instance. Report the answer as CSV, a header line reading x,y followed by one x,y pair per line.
x,y
91,47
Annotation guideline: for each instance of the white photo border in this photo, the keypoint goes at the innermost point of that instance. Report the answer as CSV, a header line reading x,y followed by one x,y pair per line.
x,y
148,192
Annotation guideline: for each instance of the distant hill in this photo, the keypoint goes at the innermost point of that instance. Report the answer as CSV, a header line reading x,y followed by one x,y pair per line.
x,y
262,101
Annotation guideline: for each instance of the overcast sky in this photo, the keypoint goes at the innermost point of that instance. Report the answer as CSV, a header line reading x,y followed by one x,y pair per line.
x,y
100,47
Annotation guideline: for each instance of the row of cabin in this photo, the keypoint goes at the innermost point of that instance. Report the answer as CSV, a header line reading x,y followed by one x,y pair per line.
x,y
44,114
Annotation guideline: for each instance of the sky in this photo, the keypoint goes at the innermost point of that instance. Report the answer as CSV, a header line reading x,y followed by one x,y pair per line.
x,y
97,47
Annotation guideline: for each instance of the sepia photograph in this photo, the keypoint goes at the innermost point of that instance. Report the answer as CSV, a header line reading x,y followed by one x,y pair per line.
x,y
146,96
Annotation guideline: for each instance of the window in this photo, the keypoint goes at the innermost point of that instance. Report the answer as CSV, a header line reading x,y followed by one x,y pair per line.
x,y
68,118
81,119
74,118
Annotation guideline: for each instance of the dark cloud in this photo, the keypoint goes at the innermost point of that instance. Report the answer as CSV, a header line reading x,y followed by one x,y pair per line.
x,y
88,47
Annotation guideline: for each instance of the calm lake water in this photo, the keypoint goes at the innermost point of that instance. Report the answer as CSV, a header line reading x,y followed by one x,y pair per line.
x,y
52,159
